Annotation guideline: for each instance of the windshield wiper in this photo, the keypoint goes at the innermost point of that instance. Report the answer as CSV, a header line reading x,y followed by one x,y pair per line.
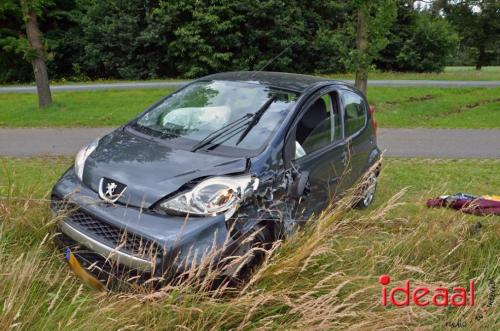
x,y
230,130
225,130
152,132
256,117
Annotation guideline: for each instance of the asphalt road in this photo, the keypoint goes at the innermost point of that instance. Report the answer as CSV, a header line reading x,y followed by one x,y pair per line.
x,y
427,143
440,143
146,85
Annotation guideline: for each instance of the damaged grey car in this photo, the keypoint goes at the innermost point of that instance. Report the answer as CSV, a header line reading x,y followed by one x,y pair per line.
x,y
228,157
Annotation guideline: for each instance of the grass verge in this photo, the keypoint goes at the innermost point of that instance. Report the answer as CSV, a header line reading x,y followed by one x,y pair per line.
x,y
466,73
471,108
396,107
449,73
326,277
77,109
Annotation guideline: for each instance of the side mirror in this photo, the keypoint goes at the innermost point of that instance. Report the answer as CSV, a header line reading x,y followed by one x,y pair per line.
x,y
300,179
300,185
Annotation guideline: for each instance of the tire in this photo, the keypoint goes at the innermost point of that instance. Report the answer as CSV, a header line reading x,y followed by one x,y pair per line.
x,y
262,238
368,192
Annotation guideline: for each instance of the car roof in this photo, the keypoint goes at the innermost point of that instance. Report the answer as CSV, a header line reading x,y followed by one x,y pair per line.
x,y
287,81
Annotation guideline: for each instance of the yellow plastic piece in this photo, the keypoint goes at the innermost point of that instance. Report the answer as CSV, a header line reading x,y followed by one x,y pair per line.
x,y
83,274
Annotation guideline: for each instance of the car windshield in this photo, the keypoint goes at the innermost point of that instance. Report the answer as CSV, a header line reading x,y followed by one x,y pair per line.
x,y
207,107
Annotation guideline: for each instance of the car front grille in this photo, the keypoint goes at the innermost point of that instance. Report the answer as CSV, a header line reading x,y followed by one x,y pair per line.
x,y
59,205
106,233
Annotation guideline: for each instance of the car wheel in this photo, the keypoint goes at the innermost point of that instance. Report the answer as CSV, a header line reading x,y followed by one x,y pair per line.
x,y
240,273
368,192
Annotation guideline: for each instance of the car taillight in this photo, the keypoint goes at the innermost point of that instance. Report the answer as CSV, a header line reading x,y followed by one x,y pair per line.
x,y
374,121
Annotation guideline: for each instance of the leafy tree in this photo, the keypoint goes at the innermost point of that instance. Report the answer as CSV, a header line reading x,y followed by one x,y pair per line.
x,y
55,23
400,31
430,46
478,23
373,20
419,41
13,44
30,45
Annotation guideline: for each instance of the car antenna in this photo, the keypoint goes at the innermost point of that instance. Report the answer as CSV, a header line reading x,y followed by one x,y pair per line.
x,y
274,58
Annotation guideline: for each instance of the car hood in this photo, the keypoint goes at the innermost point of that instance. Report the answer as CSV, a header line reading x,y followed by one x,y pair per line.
x,y
149,168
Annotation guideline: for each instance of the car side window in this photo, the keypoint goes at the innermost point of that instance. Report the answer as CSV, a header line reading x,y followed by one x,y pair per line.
x,y
354,112
319,126
335,118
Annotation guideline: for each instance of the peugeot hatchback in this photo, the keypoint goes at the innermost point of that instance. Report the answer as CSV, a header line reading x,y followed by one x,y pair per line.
x,y
227,156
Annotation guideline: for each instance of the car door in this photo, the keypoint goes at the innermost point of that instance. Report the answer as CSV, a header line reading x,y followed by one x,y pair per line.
x,y
360,140
320,149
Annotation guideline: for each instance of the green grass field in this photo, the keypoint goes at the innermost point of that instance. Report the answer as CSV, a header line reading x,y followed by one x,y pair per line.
x,y
324,278
436,107
396,107
77,109
450,73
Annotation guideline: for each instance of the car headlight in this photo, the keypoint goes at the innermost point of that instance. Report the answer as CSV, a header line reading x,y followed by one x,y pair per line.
x,y
213,196
82,156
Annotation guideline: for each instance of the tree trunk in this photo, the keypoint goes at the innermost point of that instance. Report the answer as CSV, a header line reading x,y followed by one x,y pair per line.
x,y
480,58
362,47
38,62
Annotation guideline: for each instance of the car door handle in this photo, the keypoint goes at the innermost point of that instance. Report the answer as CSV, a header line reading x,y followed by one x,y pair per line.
x,y
333,180
345,158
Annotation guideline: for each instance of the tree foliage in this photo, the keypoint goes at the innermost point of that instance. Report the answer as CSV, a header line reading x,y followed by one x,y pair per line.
x,y
88,39
192,38
13,43
419,41
27,43
373,20
16,53
478,24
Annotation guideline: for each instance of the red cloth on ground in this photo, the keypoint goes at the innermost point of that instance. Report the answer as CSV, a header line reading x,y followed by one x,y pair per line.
x,y
477,206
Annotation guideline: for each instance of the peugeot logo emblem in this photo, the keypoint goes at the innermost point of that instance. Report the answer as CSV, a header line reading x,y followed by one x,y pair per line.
x,y
110,191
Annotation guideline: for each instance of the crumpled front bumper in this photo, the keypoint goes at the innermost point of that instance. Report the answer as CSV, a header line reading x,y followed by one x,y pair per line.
x,y
181,242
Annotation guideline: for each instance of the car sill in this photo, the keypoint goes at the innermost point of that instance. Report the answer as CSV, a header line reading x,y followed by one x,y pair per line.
x,y
106,251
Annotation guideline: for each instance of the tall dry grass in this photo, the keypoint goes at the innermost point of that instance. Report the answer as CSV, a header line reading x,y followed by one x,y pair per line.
x,y
323,277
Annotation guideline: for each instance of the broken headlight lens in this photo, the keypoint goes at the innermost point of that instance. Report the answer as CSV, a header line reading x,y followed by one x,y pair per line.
x,y
213,196
82,156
